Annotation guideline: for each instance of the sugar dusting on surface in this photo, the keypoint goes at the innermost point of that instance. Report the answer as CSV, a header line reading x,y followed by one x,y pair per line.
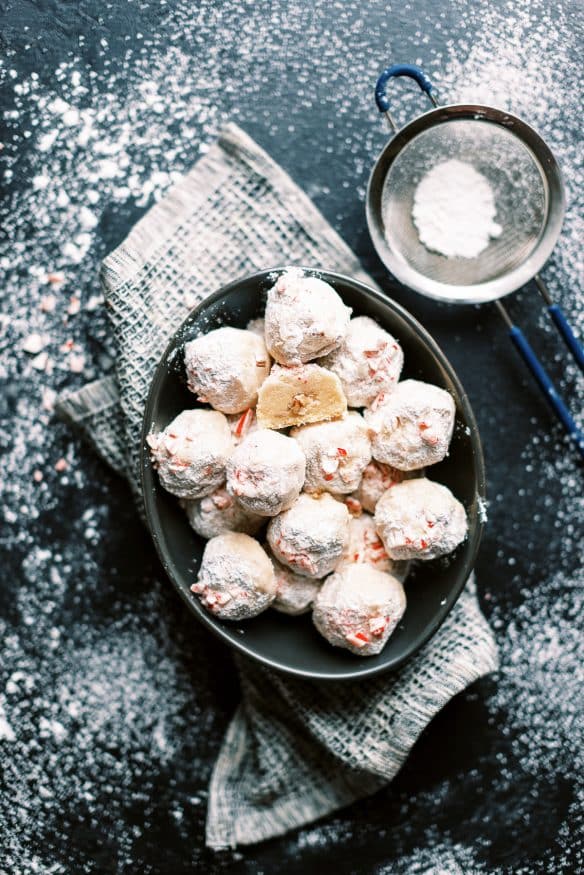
x,y
99,700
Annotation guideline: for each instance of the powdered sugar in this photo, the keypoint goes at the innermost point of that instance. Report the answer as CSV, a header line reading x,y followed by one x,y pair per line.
x,y
454,210
377,479
420,519
219,512
365,545
295,594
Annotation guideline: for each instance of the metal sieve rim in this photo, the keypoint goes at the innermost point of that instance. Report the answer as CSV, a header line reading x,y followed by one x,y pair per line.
x,y
501,285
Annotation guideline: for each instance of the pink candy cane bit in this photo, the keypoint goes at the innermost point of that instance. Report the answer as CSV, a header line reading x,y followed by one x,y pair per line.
x,y
357,639
377,626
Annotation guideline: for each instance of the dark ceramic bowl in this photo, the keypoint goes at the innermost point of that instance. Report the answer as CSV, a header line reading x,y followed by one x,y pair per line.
x,y
291,644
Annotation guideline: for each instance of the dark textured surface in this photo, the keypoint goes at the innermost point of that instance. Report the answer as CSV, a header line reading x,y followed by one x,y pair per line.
x,y
91,642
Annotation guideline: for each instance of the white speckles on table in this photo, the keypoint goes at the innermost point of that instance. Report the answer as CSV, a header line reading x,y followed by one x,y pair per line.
x,y
110,714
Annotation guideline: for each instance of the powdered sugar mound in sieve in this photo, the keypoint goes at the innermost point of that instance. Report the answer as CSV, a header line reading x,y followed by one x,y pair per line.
x,y
454,210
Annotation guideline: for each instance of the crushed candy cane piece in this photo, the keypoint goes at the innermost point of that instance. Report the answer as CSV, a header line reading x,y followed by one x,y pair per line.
x,y
357,639
55,279
378,401
377,626
329,466
354,506
42,362
48,398
37,476
61,465
48,303
221,501
76,363
244,422
74,305
198,588
34,343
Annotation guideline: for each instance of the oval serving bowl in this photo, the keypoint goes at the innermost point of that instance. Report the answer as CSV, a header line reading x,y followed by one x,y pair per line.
x,y
291,644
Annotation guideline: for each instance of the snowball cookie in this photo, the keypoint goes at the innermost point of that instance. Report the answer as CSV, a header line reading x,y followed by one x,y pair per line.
x,y
226,367
266,472
310,537
219,512
420,519
236,578
336,453
358,607
191,453
377,479
295,396
365,545
304,319
412,427
368,361
295,594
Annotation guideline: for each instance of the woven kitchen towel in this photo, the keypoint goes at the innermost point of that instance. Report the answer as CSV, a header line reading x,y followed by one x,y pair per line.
x,y
295,750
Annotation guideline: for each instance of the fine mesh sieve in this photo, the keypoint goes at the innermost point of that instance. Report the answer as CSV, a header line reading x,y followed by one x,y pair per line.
x,y
519,188
527,189
529,198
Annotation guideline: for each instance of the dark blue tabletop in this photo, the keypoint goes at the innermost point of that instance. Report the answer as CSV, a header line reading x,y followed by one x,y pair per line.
x,y
112,706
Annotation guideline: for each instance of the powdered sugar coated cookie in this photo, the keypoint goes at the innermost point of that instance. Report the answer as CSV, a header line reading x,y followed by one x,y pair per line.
x,y
368,361
412,427
336,453
420,519
305,318
310,537
266,472
358,608
226,367
218,513
190,454
236,579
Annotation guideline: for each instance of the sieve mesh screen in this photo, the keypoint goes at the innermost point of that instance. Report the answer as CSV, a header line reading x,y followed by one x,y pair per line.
x,y
519,187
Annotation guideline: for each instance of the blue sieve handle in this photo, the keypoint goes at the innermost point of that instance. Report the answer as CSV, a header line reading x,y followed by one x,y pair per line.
x,y
392,72
547,387
565,330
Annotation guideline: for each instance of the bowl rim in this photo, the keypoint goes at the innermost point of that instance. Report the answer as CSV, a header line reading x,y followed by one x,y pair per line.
x,y
152,517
